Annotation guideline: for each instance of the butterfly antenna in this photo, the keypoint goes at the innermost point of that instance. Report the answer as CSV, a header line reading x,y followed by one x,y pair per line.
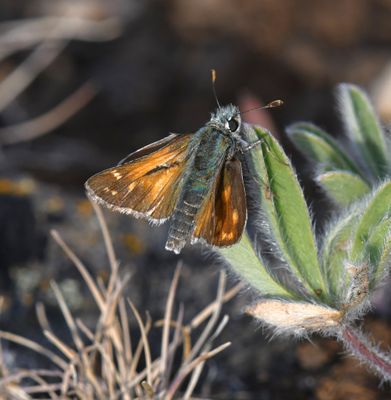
x,y
213,73
272,104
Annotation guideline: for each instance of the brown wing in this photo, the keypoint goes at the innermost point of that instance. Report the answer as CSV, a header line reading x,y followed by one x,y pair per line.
x,y
222,218
148,186
148,149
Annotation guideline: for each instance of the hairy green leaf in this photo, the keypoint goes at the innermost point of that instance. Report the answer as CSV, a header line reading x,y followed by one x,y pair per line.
x,y
320,147
363,128
335,251
376,243
376,211
286,210
248,264
383,266
343,187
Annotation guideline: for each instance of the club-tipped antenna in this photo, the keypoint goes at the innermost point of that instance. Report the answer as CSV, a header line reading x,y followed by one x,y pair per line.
x,y
214,75
272,104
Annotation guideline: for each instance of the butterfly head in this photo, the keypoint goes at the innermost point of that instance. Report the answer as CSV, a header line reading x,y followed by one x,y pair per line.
x,y
226,119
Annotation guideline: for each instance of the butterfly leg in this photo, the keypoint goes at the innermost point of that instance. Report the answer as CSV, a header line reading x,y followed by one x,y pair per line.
x,y
268,148
252,145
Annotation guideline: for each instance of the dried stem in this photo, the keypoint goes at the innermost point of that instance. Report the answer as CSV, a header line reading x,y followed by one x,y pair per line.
x,y
109,246
166,326
101,363
24,74
52,119
189,367
82,269
35,347
26,33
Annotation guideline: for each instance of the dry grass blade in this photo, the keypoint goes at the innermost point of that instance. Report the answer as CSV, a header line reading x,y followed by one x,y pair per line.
x,y
195,376
68,317
82,269
166,326
42,317
176,339
212,321
109,326
3,369
66,380
136,357
35,347
125,332
26,33
15,393
88,381
201,317
127,347
51,120
147,351
42,386
24,74
100,363
207,311
10,387
219,329
108,323
189,367
66,350
45,388
108,317
84,329
109,370
80,377
109,246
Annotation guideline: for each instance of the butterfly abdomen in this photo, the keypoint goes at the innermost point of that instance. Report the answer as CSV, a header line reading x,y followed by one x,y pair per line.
x,y
182,225
182,221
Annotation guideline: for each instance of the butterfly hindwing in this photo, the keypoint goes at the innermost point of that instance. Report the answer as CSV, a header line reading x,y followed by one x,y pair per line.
x,y
222,219
147,186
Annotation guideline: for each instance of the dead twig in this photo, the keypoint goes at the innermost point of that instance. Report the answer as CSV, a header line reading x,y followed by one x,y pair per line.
x,y
52,119
24,34
25,73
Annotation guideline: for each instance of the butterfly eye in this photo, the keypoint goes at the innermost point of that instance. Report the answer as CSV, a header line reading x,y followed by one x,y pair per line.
x,y
233,124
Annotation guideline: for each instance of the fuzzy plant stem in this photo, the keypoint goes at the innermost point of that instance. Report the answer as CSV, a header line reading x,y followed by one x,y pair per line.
x,y
361,347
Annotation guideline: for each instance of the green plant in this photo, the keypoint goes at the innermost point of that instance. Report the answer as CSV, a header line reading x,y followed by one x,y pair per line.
x,y
313,284
347,171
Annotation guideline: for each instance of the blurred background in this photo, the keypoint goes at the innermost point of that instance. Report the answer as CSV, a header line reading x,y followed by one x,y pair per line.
x,y
84,82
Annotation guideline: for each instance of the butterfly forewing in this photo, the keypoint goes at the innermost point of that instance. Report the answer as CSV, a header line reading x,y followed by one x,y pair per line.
x,y
222,219
148,149
148,186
